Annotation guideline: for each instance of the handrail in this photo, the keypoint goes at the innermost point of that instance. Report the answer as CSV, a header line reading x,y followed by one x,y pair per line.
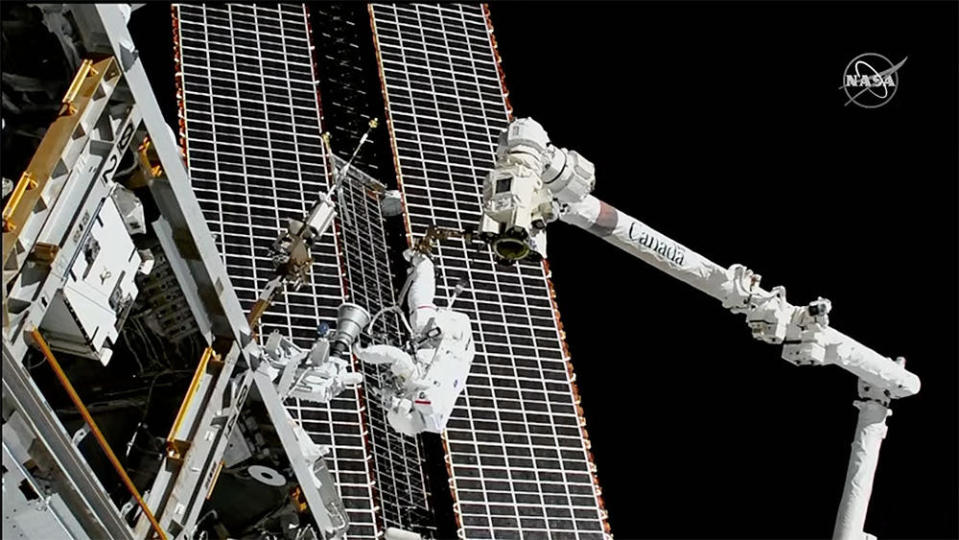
x,y
67,103
171,446
27,181
62,377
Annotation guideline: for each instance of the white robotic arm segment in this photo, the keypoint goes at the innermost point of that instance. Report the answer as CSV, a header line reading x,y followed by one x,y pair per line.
x,y
522,193
568,176
868,365
523,142
644,242
863,458
803,330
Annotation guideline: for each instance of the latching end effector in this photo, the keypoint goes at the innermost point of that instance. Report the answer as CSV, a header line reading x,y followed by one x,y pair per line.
x,y
523,193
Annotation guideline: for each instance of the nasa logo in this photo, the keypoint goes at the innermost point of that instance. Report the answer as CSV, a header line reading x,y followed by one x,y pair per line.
x,y
867,86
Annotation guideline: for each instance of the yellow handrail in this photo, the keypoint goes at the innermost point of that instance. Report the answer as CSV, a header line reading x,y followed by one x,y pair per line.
x,y
27,181
58,371
216,476
191,391
67,104
146,163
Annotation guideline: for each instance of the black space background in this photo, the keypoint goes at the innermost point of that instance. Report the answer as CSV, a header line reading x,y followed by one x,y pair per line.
x,y
722,125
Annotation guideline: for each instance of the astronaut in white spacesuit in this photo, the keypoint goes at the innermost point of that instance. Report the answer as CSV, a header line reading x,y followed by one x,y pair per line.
x,y
430,381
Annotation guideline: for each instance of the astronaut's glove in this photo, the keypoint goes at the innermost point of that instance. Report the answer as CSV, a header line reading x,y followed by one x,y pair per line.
x,y
415,257
348,379
401,405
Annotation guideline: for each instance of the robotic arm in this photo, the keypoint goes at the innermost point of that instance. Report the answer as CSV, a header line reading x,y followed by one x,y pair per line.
x,y
535,183
290,252
529,168
527,190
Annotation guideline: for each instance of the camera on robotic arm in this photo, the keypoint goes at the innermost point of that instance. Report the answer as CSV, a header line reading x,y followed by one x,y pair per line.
x,y
526,189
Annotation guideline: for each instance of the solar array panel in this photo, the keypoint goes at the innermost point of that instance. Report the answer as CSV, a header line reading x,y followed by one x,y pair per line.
x,y
349,87
518,454
349,96
397,460
251,129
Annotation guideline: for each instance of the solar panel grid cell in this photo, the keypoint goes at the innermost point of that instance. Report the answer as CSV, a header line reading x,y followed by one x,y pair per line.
x,y
518,460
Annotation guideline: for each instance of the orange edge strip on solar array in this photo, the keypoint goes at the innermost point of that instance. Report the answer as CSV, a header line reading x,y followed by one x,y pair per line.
x,y
389,128
406,223
552,297
178,78
344,287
